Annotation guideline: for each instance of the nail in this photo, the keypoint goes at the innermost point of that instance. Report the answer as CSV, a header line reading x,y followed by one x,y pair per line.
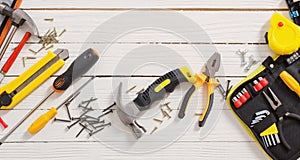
x,y
142,90
89,101
80,131
106,113
34,52
61,120
109,107
68,111
103,125
85,127
130,89
158,120
96,131
48,19
30,57
154,129
70,126
23,60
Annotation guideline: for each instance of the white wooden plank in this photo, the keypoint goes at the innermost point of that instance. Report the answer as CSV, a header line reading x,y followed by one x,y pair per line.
x,y
182,150
221,27
102,4
184,54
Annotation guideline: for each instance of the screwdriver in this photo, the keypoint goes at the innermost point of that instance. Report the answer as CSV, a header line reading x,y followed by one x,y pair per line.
x,y
78,67
41,122
290,81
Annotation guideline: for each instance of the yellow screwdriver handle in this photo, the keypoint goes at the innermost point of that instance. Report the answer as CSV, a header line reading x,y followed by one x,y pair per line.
x,y
40,123
290,81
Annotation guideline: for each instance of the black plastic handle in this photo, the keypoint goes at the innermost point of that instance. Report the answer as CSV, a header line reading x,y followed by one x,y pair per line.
x,y
209,106
158,89
185,102
80,65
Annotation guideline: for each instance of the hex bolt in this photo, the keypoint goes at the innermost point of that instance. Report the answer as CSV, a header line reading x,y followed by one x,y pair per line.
x,y
109,107
61,120
130,89
242,54
158,120
154,129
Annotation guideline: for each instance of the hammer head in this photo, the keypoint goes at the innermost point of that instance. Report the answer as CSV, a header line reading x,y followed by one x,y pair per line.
x,y
19,17
128,114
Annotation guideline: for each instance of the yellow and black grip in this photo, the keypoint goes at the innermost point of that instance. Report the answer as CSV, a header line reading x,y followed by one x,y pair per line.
x,y
162,86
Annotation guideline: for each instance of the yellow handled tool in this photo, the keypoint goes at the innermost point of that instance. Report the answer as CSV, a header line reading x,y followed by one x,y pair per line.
x,y
15,91
41,122
290,81
211,67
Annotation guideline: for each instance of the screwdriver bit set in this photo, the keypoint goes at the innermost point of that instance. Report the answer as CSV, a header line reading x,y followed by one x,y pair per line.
x,y
267,101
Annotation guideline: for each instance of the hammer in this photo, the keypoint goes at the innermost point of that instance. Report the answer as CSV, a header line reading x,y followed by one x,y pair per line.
x,y
18,18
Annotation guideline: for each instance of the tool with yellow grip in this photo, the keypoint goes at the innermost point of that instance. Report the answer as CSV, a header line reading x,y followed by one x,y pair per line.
x,y
290,81
15,91
211,67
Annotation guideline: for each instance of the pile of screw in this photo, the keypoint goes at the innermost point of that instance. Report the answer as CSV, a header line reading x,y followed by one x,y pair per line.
x,y
165,110
47,40
251,61
88,123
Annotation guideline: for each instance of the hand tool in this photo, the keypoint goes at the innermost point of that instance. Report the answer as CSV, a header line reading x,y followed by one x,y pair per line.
x,y
276,105
290,81
13,56
294,8
15,91
80,65
270,136
259,116
34,109
18,17
283,36
155,92
208,76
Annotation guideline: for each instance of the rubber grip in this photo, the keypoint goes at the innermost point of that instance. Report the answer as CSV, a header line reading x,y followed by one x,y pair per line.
x,y
80,65
185,102
282,138
41,122
159,88
207,110
15,53
290,81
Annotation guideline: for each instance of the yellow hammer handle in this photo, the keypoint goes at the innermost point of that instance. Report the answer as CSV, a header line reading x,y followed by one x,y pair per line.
x,y
41,122
290,81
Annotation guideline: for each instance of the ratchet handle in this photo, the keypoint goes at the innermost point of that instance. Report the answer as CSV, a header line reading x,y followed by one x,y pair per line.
x,y
163,86
15,53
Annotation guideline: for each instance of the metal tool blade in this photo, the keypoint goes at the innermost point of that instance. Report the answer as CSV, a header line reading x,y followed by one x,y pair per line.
x,y
212,65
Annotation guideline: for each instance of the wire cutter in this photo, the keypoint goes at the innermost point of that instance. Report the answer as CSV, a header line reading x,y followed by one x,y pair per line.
x,y
277,105
208,76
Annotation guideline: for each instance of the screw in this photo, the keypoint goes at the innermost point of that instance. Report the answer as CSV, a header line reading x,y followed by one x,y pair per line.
x,y
130,89
106,113
23,60
166,114
158,120
242,54
154,129
109,107
142,90
49,47
168,106
62,32
61,120
252,62
198,114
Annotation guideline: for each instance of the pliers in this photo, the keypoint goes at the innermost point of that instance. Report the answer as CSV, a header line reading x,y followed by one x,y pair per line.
x,y
277,105
208,77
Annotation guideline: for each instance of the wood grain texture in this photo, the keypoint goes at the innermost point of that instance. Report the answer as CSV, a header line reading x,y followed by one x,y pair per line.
x,y
230,24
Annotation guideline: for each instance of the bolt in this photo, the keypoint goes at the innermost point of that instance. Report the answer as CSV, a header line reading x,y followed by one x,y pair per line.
x,y
242,54
61,120
158,120
130,89
106,113
154,129
142,90
252,62
109,107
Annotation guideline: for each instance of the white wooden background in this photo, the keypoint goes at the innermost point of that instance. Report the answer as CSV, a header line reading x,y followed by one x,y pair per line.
x,y
231,24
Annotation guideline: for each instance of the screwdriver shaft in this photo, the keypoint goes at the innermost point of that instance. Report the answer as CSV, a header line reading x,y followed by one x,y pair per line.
x,y
23,119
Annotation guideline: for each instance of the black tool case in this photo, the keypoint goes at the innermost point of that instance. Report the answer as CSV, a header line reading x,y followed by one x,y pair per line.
x,y
256,114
